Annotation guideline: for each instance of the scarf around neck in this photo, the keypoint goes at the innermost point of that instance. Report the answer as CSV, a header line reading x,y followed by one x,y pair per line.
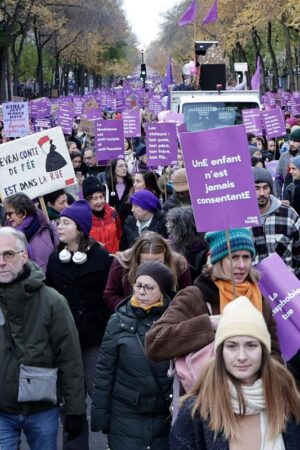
x,y
246,289
134,302
255,404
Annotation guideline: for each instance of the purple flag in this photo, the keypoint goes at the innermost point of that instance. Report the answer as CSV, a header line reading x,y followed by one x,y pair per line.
x,y
189,14
168,78
255,80
212,14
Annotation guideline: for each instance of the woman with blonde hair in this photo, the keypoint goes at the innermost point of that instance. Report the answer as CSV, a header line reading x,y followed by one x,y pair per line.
x,y
244,399
149,247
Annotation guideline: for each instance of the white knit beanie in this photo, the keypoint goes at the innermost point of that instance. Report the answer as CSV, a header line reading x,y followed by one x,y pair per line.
x,y
241,318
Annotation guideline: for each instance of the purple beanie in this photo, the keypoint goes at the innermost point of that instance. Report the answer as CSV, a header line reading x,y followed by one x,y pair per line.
x,y
146,200
81,213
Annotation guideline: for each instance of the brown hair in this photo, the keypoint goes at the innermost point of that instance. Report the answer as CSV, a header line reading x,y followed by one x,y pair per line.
x,y
213,399
151,243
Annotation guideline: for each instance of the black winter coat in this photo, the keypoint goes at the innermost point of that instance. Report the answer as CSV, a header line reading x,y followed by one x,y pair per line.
x,y
131,233
127,402
83,285
194,434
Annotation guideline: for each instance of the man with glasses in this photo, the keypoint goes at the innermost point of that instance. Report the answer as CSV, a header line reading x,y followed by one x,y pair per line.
x,y
91,166
36,330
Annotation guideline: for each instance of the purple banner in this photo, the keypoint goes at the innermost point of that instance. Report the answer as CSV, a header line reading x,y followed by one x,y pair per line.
x,y
109,139
93,113
273,123
161,143
221,197
283,295
65,117
132,123
252,121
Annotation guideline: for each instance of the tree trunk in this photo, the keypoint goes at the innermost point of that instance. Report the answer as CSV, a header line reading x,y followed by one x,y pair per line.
x,y
273,57
242,57
3,85
255,39
39,68
289,59
8,76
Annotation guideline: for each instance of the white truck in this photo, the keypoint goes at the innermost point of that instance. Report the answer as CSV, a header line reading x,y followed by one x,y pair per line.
x,y
213,109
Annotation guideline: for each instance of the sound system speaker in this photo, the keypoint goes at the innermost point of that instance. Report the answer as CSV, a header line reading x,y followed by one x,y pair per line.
x,y
211,75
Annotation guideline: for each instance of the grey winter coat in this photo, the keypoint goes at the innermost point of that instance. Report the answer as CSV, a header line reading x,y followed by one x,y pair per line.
x,y
128,403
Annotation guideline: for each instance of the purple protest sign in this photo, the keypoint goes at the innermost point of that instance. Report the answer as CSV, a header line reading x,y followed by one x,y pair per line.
x,y
132,123
109,139
154,105
161,143
273,123
220,178
252,121
93,113
65,117
283,295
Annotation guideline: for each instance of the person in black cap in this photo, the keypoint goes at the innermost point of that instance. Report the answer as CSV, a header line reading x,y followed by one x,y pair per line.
x,y
141,157
280,229
131,395
106,225
147,216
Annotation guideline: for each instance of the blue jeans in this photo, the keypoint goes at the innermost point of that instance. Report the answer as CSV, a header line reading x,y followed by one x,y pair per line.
x,y
39,428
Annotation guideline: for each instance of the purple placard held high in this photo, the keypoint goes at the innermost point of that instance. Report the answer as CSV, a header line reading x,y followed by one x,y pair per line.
x,y
283,295
161,143
132,123
273,123
65,117
220,178
109,139
252,121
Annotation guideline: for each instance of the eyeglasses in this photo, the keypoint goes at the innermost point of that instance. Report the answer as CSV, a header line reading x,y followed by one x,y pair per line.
x,y
10,213
89,157
9,255
63,223
147,288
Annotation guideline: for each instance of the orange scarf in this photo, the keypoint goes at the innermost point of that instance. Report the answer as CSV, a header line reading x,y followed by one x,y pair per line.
x,y
134,302
247,289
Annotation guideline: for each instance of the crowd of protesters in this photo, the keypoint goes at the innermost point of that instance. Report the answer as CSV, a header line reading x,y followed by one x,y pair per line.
x,y
109,281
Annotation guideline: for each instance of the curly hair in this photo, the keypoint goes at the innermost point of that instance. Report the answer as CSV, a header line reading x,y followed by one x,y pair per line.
x,y
182,229
21,203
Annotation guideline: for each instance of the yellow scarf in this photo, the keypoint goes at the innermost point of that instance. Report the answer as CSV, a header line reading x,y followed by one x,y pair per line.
x,y
247,289
134,302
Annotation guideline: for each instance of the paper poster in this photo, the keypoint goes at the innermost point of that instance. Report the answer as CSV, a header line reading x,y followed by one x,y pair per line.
x,y
16,119
36,164
220,178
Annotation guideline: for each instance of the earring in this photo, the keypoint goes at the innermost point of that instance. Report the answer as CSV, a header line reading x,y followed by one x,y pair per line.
x,y
65,256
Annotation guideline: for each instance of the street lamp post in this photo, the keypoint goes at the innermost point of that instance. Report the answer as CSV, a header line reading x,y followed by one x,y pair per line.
x,y
143,70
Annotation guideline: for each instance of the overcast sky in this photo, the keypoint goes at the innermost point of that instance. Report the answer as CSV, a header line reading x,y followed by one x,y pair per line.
x,y
144,17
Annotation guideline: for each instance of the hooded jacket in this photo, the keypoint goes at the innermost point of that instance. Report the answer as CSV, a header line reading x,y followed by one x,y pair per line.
x,y
280,233
127,403
39,331
108,230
